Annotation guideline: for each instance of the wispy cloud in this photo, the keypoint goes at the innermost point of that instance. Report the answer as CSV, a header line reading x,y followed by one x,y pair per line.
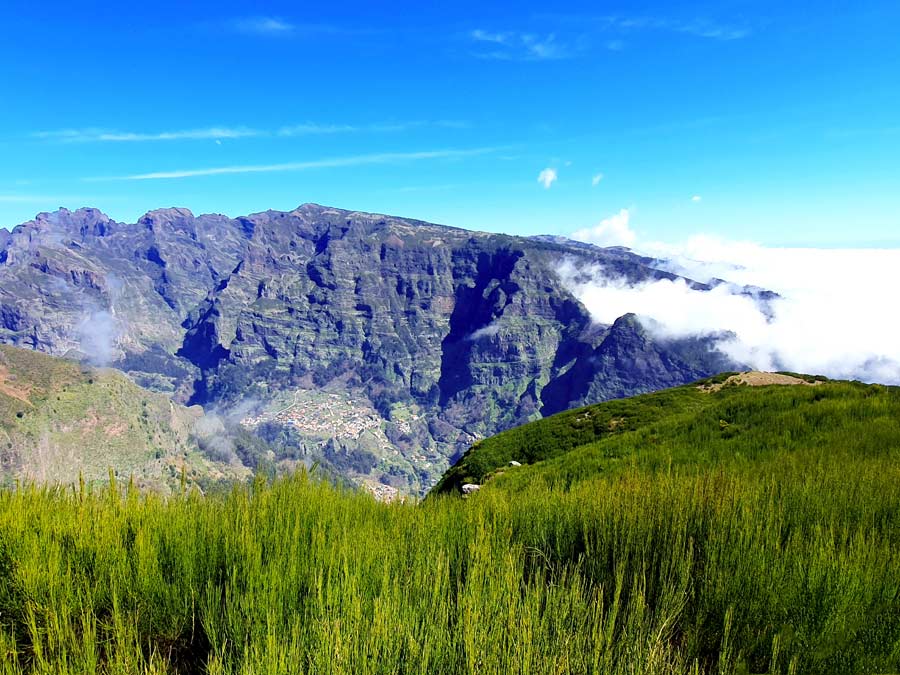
x,y
573,34
709,29
698,27
330,163
313,128
94,135
263,25
514,45
595,179
218,133
280,27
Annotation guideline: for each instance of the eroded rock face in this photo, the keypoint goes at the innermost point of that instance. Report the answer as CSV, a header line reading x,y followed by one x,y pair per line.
x,y
449,334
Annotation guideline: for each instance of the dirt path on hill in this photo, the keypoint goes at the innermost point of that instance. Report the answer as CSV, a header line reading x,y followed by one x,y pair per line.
x,y
757,378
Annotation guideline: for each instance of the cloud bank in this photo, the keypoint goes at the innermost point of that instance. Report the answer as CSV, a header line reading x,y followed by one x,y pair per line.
x,y
835,315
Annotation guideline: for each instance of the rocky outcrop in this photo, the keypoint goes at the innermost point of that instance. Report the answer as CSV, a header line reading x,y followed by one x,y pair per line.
x,y
450,335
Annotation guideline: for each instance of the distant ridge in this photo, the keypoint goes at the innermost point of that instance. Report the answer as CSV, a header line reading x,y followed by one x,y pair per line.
x,y
443,334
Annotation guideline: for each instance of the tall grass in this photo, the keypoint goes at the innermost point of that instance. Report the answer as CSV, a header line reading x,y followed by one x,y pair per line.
x,y
663,573
788,562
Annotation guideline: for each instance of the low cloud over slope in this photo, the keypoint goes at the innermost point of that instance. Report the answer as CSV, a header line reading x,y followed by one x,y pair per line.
x,y
835,314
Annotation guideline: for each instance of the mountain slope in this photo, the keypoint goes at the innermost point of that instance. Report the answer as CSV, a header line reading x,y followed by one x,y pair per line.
x,y
60,421
443,334
747,416
779,491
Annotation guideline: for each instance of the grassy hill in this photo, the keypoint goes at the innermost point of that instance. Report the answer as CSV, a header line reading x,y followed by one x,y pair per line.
x,y
60,420
727,417
702,530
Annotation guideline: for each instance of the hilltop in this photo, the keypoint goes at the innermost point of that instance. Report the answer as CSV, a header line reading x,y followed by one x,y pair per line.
x,y
748,415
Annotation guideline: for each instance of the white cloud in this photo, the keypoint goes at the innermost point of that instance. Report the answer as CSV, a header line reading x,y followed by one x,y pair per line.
x,y
835,315
486,36
487,331
701,27
547,177
612,231
93,135
696,198
98,332
313,128
595,179
571,35
98,135
711,30
336,162
519,46
263,25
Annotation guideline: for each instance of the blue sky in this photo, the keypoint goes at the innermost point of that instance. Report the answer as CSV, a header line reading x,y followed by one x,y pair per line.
x,y
771,121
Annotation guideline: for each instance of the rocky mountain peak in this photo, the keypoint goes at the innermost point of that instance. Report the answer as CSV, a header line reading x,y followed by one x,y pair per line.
x,y
82,222
53,229
175,218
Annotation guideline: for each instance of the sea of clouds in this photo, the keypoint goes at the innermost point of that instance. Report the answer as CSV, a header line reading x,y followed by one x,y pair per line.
x,y
838,313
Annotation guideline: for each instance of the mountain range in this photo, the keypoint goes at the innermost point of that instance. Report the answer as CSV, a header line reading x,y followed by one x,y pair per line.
x,y
379,346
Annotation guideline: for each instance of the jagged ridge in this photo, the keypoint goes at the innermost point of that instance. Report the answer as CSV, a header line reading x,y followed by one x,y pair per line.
x,y
450,335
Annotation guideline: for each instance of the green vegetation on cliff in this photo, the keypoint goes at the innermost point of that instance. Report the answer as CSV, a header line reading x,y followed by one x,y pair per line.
x,y
743,530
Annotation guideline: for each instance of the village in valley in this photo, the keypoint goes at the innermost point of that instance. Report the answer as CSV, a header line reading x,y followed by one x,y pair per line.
x,y
321,414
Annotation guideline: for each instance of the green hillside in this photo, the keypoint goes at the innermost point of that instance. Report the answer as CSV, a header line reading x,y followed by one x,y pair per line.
x,y
708,530
711,421
61,420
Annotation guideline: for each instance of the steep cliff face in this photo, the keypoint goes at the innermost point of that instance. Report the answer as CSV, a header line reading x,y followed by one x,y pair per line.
x,y
442,334
79,282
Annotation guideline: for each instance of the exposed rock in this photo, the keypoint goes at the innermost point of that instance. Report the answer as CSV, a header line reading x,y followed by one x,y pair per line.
x,y
451,335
